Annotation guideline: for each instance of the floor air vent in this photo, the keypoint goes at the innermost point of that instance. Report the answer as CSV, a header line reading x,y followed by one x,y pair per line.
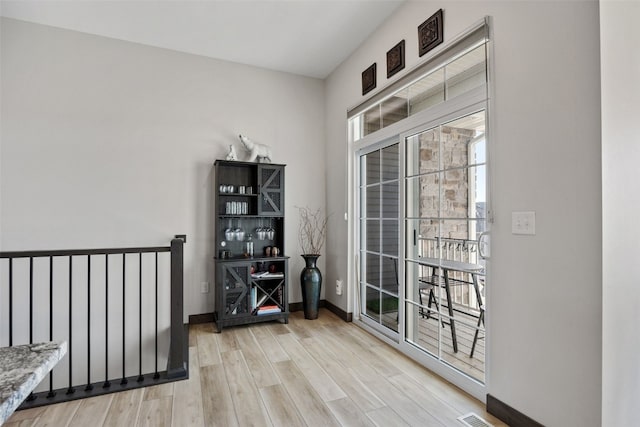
x,y
473,420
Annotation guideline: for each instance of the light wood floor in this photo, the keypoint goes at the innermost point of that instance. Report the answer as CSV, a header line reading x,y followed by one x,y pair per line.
x,y
307,373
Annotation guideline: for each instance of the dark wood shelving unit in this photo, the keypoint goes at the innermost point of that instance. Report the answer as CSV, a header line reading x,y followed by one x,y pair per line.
x,y
250,287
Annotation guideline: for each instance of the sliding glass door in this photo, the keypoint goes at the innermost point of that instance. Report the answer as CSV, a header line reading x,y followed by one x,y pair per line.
x,y
445,218
419,150
379,236
422,221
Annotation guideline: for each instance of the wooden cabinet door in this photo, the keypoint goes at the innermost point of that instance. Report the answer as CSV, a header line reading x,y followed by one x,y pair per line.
x,y
271,187
235,289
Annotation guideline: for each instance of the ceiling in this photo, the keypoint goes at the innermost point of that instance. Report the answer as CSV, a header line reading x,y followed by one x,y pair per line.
x,y
306,37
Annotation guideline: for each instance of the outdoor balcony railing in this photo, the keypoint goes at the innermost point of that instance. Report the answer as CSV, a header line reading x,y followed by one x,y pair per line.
x,y
455,250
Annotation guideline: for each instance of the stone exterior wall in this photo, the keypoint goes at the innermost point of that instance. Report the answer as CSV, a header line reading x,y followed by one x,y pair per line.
x,y
453,142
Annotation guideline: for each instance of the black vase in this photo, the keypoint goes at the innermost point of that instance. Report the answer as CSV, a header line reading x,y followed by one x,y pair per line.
x,y
311,284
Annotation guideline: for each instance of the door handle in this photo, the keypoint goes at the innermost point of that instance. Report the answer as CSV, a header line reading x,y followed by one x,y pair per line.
x,y
484,245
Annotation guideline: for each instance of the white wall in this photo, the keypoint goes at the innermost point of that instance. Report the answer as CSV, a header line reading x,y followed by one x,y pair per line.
x,y
111,144
544,292
620,60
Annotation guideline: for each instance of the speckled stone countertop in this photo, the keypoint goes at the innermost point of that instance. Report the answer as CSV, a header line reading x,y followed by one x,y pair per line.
x,y
22,367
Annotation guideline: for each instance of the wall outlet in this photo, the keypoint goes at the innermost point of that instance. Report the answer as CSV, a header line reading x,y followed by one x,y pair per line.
x,y
204,287
338,287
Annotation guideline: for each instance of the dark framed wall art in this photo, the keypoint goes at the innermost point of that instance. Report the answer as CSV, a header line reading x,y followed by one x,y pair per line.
x,y
395,59
369,79
430,33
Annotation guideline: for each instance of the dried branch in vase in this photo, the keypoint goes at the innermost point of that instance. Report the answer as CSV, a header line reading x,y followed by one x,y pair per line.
x,y
313,230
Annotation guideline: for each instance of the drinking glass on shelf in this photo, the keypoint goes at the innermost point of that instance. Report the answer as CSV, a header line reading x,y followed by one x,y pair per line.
x,y
239,234
229,233
260,231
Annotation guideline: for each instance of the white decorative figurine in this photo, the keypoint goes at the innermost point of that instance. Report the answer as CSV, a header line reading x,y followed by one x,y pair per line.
x,y
259,152
232,153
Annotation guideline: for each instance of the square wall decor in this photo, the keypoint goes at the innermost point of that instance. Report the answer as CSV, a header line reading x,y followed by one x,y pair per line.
x,y
369,79
395,59
430,33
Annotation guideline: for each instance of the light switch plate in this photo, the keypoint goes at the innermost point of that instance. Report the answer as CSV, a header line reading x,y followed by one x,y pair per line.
x,y
523,223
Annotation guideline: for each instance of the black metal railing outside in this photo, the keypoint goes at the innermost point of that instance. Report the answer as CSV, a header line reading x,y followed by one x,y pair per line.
x,y
78,313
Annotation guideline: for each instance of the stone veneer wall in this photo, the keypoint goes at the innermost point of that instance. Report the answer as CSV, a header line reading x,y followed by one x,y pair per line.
x,y
455,184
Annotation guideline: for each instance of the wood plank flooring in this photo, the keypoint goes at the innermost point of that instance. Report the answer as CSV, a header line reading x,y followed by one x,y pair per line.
x,y
307,373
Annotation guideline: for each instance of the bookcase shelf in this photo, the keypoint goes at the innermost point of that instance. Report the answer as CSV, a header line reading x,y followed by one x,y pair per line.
x,y
251,285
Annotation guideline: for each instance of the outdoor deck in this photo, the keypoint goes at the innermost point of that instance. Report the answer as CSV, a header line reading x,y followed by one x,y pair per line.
x,y
427,339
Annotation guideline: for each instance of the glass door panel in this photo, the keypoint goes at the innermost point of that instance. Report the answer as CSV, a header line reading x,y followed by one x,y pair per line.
x,y
380,236
445,214
422,238
389,238
372,306
424,192
423,152
421,296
